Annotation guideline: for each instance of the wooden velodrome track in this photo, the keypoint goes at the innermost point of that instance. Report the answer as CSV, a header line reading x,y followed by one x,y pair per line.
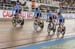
x,y
10,36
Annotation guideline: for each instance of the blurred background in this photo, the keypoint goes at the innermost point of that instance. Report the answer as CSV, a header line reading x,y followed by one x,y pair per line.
x,y
67,6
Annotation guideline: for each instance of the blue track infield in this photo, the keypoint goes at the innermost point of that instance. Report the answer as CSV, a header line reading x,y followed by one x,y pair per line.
x,y
48,43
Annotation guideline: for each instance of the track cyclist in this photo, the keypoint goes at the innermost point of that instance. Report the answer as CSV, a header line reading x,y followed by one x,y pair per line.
x,y
37,18
50,18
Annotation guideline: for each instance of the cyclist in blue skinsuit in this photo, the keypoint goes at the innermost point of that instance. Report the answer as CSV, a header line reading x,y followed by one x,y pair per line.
x,y
17,9
49,17
16,12
60,19
37,20
37,14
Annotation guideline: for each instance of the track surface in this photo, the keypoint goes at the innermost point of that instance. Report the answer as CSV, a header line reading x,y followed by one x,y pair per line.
x,y
10,36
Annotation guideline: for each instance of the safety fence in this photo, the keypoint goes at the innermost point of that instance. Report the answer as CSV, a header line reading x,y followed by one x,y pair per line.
x,y
29,15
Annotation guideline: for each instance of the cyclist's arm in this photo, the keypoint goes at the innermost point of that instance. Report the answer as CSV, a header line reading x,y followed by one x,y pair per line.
x,y
13,9
20,6
47,17
57,20
39,13
63,20
34,14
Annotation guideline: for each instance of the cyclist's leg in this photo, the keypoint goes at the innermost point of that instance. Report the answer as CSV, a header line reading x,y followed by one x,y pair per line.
x,y
35,20
39,20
